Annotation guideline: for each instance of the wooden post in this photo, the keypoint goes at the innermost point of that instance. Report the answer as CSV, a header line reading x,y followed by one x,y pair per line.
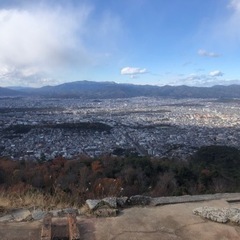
x,y
73,230
47,228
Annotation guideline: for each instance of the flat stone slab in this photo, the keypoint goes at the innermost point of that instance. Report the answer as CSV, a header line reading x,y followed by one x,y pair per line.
x,y
193,198
139,200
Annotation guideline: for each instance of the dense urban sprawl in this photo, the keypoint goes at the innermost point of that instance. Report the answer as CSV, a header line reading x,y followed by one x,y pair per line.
x,y
30,128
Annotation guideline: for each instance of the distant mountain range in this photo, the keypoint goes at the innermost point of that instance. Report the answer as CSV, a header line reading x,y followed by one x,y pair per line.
x,y
101,90
6,92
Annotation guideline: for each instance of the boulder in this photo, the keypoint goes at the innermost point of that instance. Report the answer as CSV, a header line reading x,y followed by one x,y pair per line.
x,y
105,212
110,201
93,204
38,214
122,201
21,215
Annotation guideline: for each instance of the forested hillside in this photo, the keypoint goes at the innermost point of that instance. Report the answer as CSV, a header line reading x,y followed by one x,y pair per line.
x,y
211,169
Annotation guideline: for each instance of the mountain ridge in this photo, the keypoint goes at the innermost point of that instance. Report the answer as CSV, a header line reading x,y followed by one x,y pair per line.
x,y
91,90
7,92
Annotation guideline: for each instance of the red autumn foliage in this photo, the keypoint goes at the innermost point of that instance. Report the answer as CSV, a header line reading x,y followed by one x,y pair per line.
x,y
97,166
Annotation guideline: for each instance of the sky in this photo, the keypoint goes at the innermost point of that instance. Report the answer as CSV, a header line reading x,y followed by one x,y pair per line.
x,y
156,42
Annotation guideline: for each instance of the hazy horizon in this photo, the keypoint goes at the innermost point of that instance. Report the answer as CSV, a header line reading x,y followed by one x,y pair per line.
x,y
15,87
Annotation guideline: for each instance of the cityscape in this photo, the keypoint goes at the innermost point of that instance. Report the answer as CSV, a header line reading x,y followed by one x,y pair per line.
x,y
38,128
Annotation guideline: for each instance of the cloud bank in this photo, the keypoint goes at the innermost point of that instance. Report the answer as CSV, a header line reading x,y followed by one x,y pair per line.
x,y
204,79
36,41
45,41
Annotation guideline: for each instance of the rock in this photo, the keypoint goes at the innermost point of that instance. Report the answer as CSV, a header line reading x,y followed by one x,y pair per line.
x,y
55,213
139,200
38,214
122,201
79,212
6,218
106,212
235,218
198,211
110,201
70,211
21,215
214,214
93,204
231,212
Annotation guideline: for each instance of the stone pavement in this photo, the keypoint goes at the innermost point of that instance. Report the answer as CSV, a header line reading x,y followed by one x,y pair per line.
x,y
20,231
167,222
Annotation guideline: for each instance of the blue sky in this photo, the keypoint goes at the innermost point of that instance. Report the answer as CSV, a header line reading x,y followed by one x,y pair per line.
x,y
158,42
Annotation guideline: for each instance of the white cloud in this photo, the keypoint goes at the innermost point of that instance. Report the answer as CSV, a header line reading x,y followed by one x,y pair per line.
x,y
202,79
205,53
28,72
133,71
42,37
41,40
4,70
216,73
52,40
24,77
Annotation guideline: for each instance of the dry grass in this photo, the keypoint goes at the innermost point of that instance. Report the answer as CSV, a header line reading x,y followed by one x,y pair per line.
x,y
35,199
